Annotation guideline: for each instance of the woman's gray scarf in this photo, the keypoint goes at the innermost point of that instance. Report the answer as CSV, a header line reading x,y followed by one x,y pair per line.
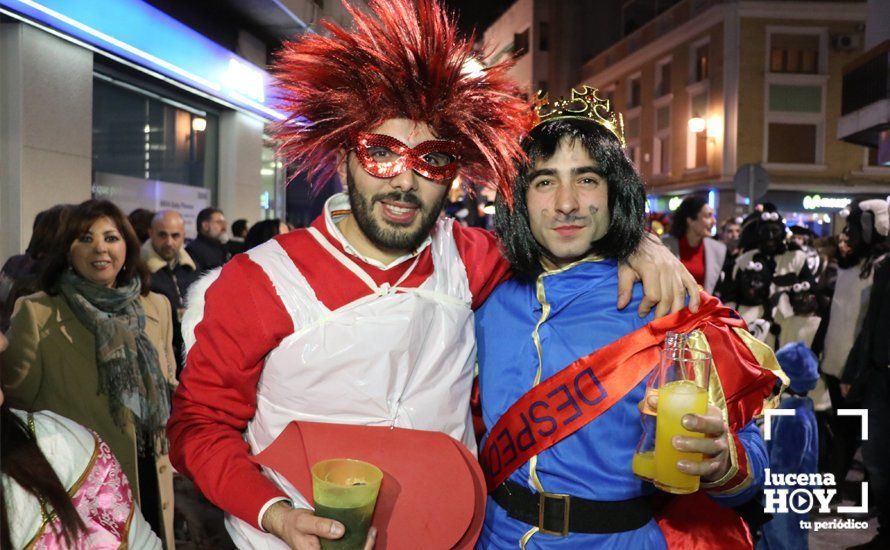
x,y
129,371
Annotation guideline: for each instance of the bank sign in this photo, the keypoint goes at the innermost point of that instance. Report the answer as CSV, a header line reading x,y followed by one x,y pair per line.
x,y
135,33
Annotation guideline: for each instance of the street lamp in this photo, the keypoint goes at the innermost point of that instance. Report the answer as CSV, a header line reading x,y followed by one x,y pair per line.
x,y
199,124
697,124
715,127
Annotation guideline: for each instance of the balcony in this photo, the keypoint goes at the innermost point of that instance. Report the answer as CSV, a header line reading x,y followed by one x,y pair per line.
x,y
865,103
662,24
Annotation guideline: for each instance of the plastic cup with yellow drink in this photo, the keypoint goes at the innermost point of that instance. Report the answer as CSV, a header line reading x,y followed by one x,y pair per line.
x,y
346,490
683,375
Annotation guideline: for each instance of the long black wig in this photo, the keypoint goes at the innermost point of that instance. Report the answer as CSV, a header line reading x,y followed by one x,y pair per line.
x,y
627,195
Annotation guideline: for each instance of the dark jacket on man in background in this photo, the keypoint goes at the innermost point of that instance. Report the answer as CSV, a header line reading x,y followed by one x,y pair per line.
x,y
236,245
19,277
172,282
207,253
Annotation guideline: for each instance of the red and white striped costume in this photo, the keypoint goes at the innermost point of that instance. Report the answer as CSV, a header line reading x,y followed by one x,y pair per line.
x,y
305,328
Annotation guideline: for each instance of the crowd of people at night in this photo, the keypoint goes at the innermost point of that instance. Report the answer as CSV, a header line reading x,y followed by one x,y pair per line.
x,y
87,262
824,301
144,373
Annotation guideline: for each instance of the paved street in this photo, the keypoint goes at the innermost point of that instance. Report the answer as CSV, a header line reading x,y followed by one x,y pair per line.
x,y
843,538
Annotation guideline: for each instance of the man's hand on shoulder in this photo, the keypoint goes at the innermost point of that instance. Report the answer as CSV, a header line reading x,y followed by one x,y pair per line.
x,y
666,283
301,529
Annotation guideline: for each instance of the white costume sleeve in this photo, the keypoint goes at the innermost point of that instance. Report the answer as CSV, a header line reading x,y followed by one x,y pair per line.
x,y
140,534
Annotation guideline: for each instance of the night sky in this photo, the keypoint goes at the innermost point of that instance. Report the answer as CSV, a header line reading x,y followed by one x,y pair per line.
x,y
477,14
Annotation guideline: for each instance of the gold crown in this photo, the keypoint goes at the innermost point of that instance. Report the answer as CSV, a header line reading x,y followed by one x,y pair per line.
x,y
585,104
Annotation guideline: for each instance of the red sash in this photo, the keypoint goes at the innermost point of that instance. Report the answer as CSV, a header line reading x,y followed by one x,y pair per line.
x,y
576,395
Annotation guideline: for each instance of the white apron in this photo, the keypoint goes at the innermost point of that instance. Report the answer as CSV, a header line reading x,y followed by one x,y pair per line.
x,y
401,357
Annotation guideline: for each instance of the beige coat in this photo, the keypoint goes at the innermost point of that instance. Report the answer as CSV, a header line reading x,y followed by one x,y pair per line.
x,y
51,365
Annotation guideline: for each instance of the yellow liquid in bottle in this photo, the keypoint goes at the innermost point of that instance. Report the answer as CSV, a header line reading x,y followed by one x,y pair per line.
x,y
675,400
644,465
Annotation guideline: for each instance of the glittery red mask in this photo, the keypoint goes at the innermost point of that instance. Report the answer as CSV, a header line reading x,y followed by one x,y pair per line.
x,y
384,156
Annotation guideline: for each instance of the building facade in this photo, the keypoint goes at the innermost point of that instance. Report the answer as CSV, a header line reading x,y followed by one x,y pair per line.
x,y
708,86
154,105
551,39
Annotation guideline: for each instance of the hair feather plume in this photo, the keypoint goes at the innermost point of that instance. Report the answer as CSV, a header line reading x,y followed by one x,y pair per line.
x,y
399,61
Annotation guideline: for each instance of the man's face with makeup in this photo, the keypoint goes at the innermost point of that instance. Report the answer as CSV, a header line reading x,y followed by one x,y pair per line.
x,y
396,211
568,203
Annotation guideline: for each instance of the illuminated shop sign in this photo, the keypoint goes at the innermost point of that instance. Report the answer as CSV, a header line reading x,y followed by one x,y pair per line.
x,y
138,33
674,202
815,202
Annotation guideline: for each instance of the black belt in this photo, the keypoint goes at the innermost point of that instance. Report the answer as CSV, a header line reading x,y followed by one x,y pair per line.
x,y
559,514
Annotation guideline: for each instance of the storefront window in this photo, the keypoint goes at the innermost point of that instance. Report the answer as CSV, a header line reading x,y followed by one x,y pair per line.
x,y
144,136
272,197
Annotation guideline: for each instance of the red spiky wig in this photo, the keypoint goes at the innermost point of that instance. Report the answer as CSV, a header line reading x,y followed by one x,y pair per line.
x,y
400,61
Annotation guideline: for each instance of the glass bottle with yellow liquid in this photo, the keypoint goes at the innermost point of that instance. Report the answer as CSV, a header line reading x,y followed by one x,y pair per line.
x,y
643,465
682,379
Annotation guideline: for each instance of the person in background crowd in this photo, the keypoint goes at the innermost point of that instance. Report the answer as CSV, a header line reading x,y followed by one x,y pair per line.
x,y
235,244
172,273
690,240
771,286
861,246
803,238
21,273
730,231
140,219
462,207
50,463
866,382
365,317
264,230
828,249
208,250
96,346
172,269
794,444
